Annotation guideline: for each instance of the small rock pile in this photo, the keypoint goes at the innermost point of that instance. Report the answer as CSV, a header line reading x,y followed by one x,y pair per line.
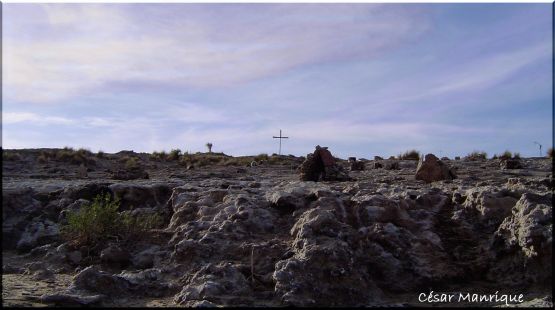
x,y
321,166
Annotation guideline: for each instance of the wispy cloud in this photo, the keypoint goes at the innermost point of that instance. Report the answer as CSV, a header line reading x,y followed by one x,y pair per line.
x,y
361,78
26,117
195,49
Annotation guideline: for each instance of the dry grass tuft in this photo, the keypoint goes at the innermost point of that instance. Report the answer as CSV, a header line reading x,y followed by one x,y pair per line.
x,y
10,156
410,155
477,155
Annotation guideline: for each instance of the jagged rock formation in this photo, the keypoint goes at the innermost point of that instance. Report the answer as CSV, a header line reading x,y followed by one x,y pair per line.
x,y
321,165
431,169
261,237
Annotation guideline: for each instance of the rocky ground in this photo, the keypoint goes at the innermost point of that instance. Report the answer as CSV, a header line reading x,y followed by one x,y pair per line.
x,y
254,235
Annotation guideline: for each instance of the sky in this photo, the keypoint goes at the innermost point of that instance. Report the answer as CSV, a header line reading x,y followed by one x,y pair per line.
x,y
362,79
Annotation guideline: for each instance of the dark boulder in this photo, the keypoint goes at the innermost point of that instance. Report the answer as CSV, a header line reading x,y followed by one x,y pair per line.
x,y
432,169
322,166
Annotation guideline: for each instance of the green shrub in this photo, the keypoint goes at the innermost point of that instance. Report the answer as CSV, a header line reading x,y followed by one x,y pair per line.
x,y
131,163
174,154
94,223
100,221
410,155
133,227
506,155
68,154
101,154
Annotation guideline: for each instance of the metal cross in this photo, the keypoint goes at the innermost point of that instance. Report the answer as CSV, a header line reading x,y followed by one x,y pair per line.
x,y
280,137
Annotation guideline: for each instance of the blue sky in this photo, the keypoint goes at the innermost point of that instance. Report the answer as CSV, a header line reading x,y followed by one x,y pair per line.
x,y
362,79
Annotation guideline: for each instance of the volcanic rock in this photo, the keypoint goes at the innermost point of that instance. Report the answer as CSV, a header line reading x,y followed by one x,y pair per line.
x,y
71,300
218,284
391,164
114,254
38,233
511,164
129,174
432,169
96,281
321,165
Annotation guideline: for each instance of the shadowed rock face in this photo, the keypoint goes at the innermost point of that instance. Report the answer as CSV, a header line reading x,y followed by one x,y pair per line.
x,y
321,165
260,237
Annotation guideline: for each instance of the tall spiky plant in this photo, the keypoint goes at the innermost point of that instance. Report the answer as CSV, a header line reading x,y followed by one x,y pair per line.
x,y
209,146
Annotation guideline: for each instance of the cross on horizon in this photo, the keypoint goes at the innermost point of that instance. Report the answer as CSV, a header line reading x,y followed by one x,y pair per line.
x,y
280,137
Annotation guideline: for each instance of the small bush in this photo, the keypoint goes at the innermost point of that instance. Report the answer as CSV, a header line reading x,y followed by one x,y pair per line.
x,y
275,160
100,221
202,160
68,154
79,158
477,155
84,152
10,156
131,163
101,154
65,155
506,155
550,152
174,154
94,223
410,155
133,227
238,161
42,159
260,157
45,156
159,155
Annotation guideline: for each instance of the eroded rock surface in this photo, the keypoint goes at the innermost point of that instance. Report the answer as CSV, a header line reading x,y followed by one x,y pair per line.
x,y
257,236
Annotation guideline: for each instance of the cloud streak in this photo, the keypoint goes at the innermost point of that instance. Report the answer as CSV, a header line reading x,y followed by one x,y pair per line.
x,y
195,50
32,118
